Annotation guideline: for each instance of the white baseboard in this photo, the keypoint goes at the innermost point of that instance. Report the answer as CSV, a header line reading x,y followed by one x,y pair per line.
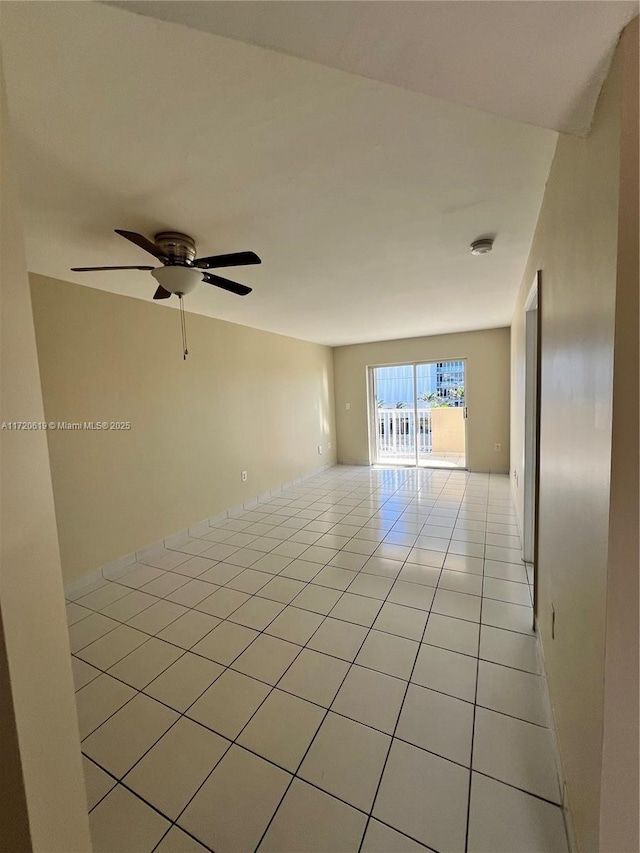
x,y
72,589
199,529
121,563
152,550
176,539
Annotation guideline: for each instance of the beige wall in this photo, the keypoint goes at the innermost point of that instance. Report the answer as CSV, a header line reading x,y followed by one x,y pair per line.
x,y
243,400
447,429
487,391
41,762
575,246
14,816
619,796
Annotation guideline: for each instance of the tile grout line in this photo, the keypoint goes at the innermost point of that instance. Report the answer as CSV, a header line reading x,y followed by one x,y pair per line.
x,y
395,728
357,572
191,578
194,607
295,775
183,714
230,614
473,724
393,736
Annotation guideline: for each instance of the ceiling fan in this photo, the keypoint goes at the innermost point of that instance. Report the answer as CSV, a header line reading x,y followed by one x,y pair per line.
x,y
181,270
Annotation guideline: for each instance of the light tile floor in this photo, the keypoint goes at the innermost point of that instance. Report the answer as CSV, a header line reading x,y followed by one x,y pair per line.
x,y
349,666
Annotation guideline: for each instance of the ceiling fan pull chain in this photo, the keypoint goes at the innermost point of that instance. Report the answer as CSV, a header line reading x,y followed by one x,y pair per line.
x,y
183,326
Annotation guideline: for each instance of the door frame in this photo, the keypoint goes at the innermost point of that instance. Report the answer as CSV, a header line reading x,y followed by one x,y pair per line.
x,y
531,450
372,407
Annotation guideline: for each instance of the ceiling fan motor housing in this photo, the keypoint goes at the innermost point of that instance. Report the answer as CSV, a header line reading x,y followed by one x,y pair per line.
x,y
176,247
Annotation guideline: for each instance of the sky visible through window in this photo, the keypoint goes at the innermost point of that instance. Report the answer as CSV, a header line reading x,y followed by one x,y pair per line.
x,y
436,383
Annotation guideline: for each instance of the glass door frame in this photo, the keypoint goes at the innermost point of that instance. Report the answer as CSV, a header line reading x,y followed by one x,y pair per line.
x,y
372,411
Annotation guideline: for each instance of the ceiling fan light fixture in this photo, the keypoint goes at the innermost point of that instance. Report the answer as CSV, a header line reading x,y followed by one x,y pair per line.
x,y
177,279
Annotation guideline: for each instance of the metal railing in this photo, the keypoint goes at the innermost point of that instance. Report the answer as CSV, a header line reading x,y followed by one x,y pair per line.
x,y
398,432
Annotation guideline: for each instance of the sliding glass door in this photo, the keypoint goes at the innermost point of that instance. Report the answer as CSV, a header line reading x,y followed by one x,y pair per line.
x,y
418,414
394,414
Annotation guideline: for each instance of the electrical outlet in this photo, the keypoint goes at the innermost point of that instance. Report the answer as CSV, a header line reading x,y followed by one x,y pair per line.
x,y
497,447
319,450
328,445
244,476
347,406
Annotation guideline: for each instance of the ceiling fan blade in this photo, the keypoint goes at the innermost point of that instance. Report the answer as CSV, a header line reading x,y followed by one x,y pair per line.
x,y
225,284
235,259
161,293
95,269
142,242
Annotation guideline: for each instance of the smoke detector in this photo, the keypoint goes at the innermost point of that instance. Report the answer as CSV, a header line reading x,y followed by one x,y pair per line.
x,y
481,247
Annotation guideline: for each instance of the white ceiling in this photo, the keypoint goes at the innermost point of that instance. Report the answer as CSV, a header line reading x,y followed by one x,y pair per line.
x,y
361,197
538,62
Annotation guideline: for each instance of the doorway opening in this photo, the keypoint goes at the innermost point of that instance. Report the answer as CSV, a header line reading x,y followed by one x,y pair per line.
x,y
418,414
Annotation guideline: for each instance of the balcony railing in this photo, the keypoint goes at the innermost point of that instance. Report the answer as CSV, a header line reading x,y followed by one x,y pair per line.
x,y
398,431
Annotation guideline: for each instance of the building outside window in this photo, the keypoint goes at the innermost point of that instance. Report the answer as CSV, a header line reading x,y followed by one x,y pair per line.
x,y
437,384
